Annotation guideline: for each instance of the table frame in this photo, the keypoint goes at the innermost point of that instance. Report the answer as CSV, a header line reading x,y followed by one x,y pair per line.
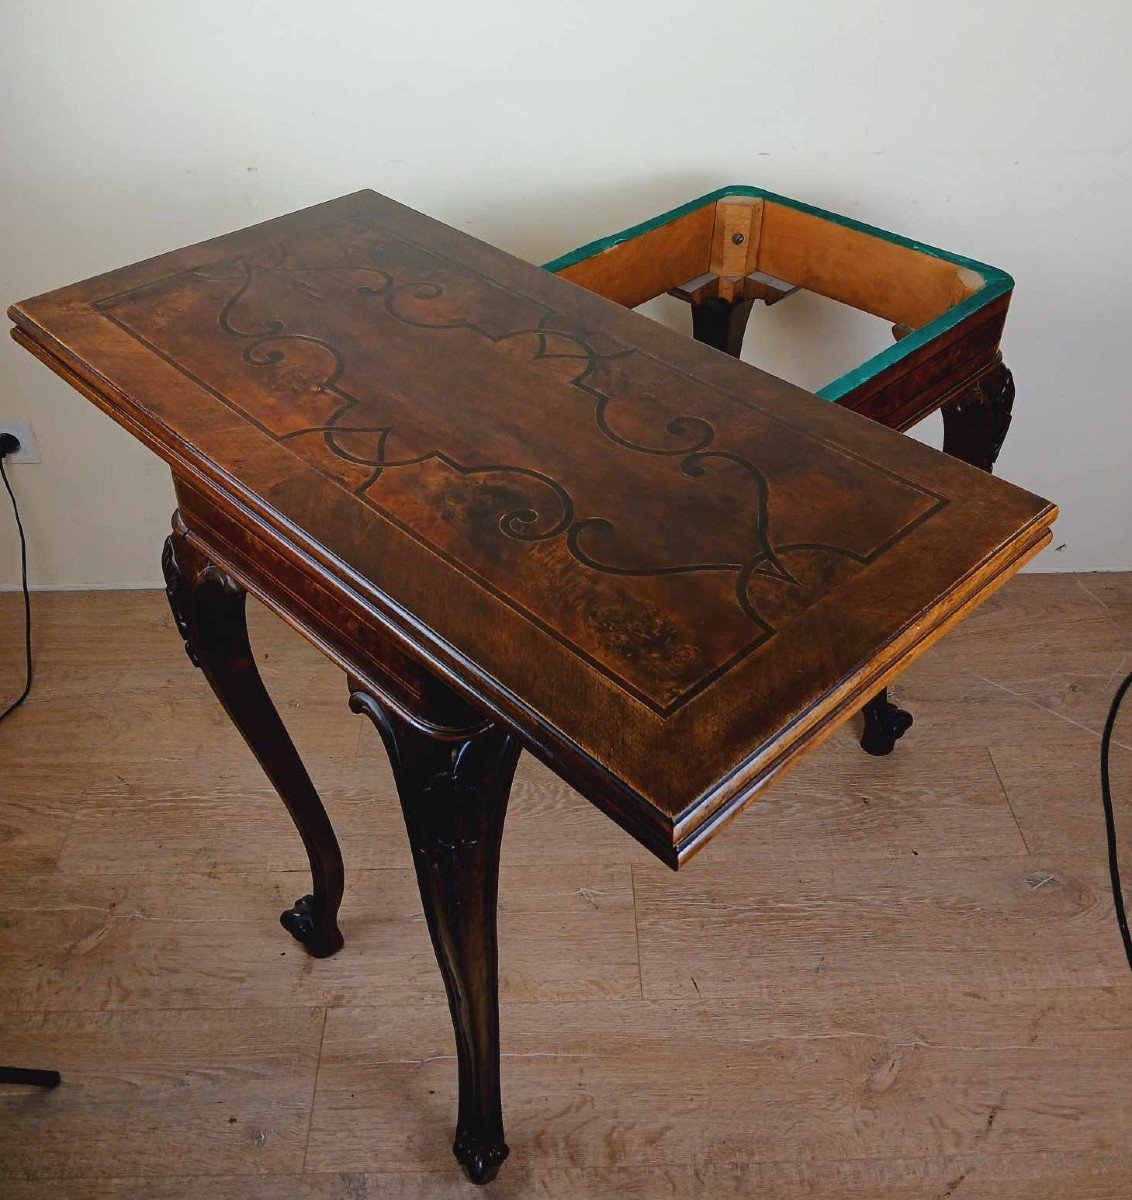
x,y
723,251
452,766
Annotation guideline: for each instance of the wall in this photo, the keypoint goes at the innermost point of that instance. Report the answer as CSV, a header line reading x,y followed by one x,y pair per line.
x,y
1000,130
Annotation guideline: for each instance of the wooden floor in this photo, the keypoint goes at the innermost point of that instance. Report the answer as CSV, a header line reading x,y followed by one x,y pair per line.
x,y
892,979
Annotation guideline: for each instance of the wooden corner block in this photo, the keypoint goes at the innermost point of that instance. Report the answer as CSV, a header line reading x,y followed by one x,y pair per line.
x,y
758,285
735,239
697,290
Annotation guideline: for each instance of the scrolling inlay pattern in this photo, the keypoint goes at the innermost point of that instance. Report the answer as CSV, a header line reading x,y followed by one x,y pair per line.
x,y
649,540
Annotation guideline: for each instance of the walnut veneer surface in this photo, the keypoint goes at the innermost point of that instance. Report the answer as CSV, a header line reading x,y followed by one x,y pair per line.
x,y
667,572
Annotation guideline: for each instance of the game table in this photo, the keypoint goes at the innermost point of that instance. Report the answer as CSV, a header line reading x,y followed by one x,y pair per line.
x,y
521,518
723,251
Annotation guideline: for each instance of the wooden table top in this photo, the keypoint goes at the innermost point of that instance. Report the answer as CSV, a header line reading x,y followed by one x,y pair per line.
x,y
670,572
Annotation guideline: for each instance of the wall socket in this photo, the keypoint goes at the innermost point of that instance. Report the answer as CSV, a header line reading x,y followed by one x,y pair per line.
x,y
29,450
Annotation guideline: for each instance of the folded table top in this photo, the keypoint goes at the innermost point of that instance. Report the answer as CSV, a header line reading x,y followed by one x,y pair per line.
x,y
669,572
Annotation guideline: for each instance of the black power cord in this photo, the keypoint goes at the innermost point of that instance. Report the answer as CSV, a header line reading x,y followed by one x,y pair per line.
x,y
9,444
1110,821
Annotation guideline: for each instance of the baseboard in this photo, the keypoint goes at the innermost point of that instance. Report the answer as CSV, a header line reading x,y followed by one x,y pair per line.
x,y
148,586
156,585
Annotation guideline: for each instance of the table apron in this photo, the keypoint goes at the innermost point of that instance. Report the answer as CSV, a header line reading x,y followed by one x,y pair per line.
x,y
341,626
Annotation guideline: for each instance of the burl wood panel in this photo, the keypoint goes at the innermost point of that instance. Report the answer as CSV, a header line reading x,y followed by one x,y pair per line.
x,y
585,535
669,572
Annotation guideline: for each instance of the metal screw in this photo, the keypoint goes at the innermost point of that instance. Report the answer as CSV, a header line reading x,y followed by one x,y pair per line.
x,y
737,239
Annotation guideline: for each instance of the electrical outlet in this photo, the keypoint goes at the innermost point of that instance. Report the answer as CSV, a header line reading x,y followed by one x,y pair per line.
x,y
28,451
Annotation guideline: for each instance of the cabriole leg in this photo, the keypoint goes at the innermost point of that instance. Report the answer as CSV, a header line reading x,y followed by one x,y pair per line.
x,y
208,607
975,425
454,792
721,323
974,428
885,724
29,1077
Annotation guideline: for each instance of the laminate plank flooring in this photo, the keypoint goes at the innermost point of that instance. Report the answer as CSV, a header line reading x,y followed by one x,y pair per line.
x,y
891,979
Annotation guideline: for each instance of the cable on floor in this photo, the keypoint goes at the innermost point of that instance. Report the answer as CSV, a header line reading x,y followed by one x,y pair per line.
x,y
27,597
1110,820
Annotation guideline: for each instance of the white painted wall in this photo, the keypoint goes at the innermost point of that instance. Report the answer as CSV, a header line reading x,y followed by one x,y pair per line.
x,y
1000,130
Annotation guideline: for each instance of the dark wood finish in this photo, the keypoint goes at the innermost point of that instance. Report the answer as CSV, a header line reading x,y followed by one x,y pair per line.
x,y
29,1077
667,571
208,607
975,425
517,515
884,724
721,323
453,790
334,618
935,374
959,372
974,429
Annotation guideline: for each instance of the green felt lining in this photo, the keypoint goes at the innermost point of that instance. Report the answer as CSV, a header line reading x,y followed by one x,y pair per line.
x,y
995,281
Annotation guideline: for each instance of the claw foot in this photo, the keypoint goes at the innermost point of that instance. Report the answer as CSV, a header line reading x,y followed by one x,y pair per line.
x,y
885,725
481,1160
299,922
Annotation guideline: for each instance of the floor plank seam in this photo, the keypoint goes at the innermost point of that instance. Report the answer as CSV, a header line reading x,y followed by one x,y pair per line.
x,y
637,930
314,1085
870,1074
1049,711
1006,797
